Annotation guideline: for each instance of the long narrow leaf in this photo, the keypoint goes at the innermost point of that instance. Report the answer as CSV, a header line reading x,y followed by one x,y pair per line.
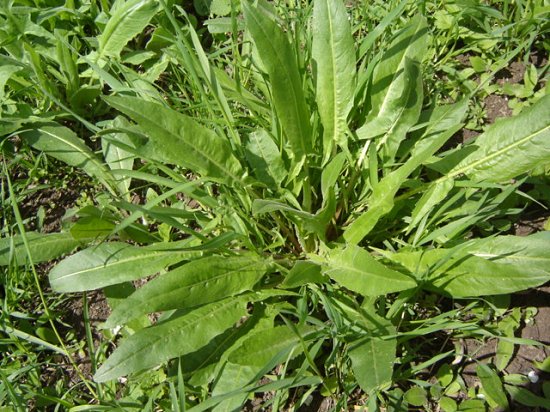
x,y
109,264
185,334
510,147
128,18
334,64
196,283
279,60
63,144
43,247
178,139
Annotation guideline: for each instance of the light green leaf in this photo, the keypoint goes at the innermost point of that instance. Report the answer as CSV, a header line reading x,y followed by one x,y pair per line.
x,y
43,247
511,146
279,60
530,254
333,55
443,123
400,111
303,272
461,274
396,93
178,139
196,283
265,159
416,396
355,269
116,157
176,337
264,346
432,197
109,264
6,71
128,18
273,345
63,144
372,362
331,173
492,385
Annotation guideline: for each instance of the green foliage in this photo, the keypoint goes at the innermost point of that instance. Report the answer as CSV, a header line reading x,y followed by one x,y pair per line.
x,y
301,204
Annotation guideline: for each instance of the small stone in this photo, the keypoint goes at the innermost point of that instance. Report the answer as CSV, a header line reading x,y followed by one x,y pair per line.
x,y
533,377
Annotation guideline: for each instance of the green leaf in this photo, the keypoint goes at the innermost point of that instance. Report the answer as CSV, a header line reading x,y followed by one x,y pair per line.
x,y
527,398
511,146
42,247
109,264
396,92
258,352
128,18
355,269
443,122
91,227
265,159
6,71
505,349
399,113
492,385
432,197
176,337
380,203
530,254
303,272
279,60
204,365
460,274
333,55
448,404
416,396
264,346
196,283
331,172
116,157
178,139
544,365
372,362
63,144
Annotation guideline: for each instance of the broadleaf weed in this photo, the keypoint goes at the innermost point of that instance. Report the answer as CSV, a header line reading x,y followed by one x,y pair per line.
x,y
289,193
